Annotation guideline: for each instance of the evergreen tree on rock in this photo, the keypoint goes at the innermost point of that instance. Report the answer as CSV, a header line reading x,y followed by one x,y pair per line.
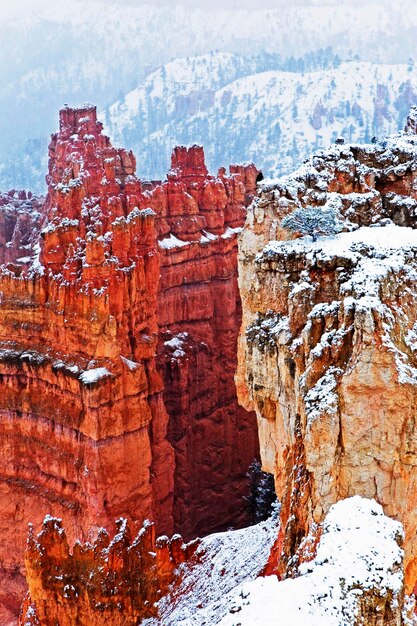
x,y
313,221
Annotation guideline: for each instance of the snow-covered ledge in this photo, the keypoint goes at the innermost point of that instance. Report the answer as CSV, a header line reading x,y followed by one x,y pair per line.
x,y
355,576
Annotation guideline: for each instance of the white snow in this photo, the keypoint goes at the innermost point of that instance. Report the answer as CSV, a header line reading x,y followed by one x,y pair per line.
x,y
207,237
224,561
229,232
373,252
177,345
71,367
358,553
171,242
92,376
132,365
385,239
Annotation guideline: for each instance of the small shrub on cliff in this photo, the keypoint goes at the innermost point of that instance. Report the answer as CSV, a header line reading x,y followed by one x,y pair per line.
x,y
313,221
261,500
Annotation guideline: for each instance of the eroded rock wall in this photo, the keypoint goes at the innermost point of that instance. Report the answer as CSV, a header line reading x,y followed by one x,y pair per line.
x,y
327,349
199,314
117,303
82,418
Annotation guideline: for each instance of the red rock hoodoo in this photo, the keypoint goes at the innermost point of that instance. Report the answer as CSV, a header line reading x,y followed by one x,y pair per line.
x,y
114,582
98,353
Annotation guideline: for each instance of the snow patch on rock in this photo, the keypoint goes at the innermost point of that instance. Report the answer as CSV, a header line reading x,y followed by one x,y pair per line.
x,y
358,554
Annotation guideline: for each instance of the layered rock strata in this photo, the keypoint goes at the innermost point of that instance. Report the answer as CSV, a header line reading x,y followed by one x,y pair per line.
x,y
82,417
114,582
199,314
99,282
327,350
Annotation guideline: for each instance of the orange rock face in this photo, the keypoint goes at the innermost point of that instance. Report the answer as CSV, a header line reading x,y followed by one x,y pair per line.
x,y
119,313
199,315
82,416
113,582
327,349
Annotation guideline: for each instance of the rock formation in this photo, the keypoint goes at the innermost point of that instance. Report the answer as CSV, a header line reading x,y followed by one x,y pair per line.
x,y
350,572
82,417
328,343
113,582
199,315
102,354
84,319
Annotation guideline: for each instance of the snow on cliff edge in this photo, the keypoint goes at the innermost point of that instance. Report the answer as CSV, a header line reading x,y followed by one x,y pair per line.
x,y
358,564
357,571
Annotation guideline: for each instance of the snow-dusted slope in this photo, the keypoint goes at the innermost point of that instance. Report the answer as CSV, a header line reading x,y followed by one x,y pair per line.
x,y
207,589
181,86
357,569
274,118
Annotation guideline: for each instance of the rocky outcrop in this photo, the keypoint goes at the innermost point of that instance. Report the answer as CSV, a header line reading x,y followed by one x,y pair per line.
x,y
327,350
118,302
82,417
112,582
199,314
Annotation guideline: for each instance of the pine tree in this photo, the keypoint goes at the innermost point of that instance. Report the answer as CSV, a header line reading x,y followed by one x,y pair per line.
x,y
312,221
262,498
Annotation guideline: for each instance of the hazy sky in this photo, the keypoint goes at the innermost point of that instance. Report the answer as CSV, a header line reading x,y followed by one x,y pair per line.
x,y
12,8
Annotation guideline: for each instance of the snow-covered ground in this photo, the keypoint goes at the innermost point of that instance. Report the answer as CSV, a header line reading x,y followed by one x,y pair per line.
x,y
358,554
207,589
384,239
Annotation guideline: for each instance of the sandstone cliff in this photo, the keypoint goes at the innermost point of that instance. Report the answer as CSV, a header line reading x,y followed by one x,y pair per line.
x,y
82,416
199,314
99,283
328,343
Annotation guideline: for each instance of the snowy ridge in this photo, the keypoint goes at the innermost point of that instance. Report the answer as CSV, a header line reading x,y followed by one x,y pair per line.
x,y
273,118
358,555
72,52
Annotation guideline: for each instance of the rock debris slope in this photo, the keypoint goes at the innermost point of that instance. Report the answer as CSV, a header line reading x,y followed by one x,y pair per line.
x,y
328,344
